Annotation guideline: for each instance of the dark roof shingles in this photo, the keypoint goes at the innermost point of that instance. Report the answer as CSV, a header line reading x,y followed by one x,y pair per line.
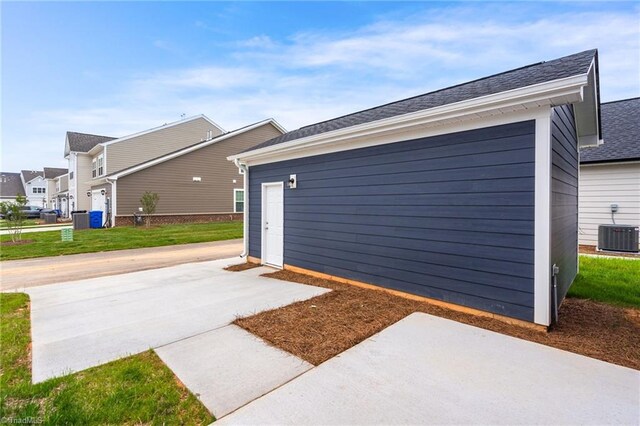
x,y
54,172
29,175
83,142
541,72
10,185
620,133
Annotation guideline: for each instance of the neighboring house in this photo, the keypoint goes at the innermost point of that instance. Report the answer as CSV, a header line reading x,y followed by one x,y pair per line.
x,y
466,195
194,183
35,187
62,199
610,172
76,148
93,157
50,175
10,186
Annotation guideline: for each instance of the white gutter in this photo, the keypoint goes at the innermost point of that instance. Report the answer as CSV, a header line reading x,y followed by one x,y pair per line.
x,y
113,200
244,170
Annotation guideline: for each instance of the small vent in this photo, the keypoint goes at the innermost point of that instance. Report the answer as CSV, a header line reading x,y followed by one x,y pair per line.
x,y
618,238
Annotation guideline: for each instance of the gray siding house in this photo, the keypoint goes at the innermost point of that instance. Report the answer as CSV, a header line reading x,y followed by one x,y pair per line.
x,y
466,195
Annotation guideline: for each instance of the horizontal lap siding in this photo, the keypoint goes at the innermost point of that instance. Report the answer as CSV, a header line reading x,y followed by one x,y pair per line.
x,y
564,196
605,184
448,217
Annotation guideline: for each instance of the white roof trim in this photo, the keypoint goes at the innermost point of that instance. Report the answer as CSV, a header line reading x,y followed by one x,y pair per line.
x,y
196,147
93,150
556,92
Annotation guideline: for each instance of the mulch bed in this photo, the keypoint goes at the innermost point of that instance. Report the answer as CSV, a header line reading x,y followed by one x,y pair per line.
x,y
242,267
322,327
592,250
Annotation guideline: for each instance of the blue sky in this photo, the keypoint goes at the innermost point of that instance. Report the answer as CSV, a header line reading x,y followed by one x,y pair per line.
x,y
116,68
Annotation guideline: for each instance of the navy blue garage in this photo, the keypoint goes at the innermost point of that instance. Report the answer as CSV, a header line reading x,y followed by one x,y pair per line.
x,y
466,195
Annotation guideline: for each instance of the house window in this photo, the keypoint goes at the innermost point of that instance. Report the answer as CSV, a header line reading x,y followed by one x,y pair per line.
x,y
71,175
93,168
38,190
238,200
100,164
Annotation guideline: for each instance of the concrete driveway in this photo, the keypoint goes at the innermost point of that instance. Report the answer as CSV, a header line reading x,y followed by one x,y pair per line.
x,y
81,324
429,370
20,274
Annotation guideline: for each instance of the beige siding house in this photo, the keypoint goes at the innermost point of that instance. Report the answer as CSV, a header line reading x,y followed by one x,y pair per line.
x,y
610,173
51,177
195,182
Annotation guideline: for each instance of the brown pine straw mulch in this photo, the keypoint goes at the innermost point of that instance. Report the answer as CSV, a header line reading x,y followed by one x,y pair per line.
x,y
324,326
592,250
242,267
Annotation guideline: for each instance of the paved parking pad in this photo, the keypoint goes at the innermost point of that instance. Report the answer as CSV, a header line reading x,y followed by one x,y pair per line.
x,y
75,327
229,367
429,370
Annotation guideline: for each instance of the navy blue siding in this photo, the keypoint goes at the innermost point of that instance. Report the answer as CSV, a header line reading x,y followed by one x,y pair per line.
x,y
564,196
449,217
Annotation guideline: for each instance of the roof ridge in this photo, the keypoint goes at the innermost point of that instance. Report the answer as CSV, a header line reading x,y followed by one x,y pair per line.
x,y
91,134
448,88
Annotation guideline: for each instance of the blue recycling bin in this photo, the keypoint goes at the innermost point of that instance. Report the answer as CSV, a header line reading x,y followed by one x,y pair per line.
x,y
95,219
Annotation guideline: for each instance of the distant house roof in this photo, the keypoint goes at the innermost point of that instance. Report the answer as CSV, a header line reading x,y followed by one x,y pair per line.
x,y
10,185
54,172
29,175
542,72
83,142
620,133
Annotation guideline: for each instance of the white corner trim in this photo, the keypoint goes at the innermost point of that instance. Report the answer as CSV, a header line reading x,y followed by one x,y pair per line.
x,y
189,149
114,197
561,91
542,229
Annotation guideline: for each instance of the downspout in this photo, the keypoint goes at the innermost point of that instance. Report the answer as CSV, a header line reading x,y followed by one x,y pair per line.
x,y
112,204
244,170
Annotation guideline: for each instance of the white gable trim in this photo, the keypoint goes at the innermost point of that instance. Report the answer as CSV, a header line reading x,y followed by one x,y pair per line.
x,y
196,147
557,92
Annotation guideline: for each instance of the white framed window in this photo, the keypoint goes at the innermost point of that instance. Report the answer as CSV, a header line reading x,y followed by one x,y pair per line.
x,y
94,171
100,164
238,200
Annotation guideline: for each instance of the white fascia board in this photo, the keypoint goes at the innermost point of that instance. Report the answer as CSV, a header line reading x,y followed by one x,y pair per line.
x,y
192,148
610,163
557,92
542,223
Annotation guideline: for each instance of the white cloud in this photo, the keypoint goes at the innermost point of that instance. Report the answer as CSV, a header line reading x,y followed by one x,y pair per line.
x,y
313,76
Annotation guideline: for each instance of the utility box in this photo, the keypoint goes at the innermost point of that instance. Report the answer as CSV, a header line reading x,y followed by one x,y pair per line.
x,y
50,218
67,234
618,238
81,221
95,219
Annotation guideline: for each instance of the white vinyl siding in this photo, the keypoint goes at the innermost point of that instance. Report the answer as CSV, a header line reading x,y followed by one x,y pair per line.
x,y
602,185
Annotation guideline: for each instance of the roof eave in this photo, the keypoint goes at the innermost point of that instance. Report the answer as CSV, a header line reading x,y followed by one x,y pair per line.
x,y
556,92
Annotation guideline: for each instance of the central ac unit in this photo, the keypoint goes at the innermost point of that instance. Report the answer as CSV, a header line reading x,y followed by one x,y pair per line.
x,y
618,238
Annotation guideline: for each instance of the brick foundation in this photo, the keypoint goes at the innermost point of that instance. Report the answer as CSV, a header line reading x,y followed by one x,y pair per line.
x,y
160,219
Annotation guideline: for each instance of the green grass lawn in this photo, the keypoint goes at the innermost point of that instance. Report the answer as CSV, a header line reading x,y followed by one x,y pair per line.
x,y
93,240
613,281
136,390
27,222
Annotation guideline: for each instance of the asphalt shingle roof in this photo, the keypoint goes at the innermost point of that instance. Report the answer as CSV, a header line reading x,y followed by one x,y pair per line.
x,y
83,142
53,172
620,133
29,175
10,185
541,72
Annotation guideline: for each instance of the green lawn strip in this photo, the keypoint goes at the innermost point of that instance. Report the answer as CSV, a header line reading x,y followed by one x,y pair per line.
x,y
94,240
139,389
27,222
613,281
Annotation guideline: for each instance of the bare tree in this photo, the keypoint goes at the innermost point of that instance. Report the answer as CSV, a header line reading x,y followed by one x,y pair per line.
x,y
149,203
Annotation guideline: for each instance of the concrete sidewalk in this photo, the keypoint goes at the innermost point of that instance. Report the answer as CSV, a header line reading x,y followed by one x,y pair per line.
x,y
42,228
20,274
78,325
429,370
